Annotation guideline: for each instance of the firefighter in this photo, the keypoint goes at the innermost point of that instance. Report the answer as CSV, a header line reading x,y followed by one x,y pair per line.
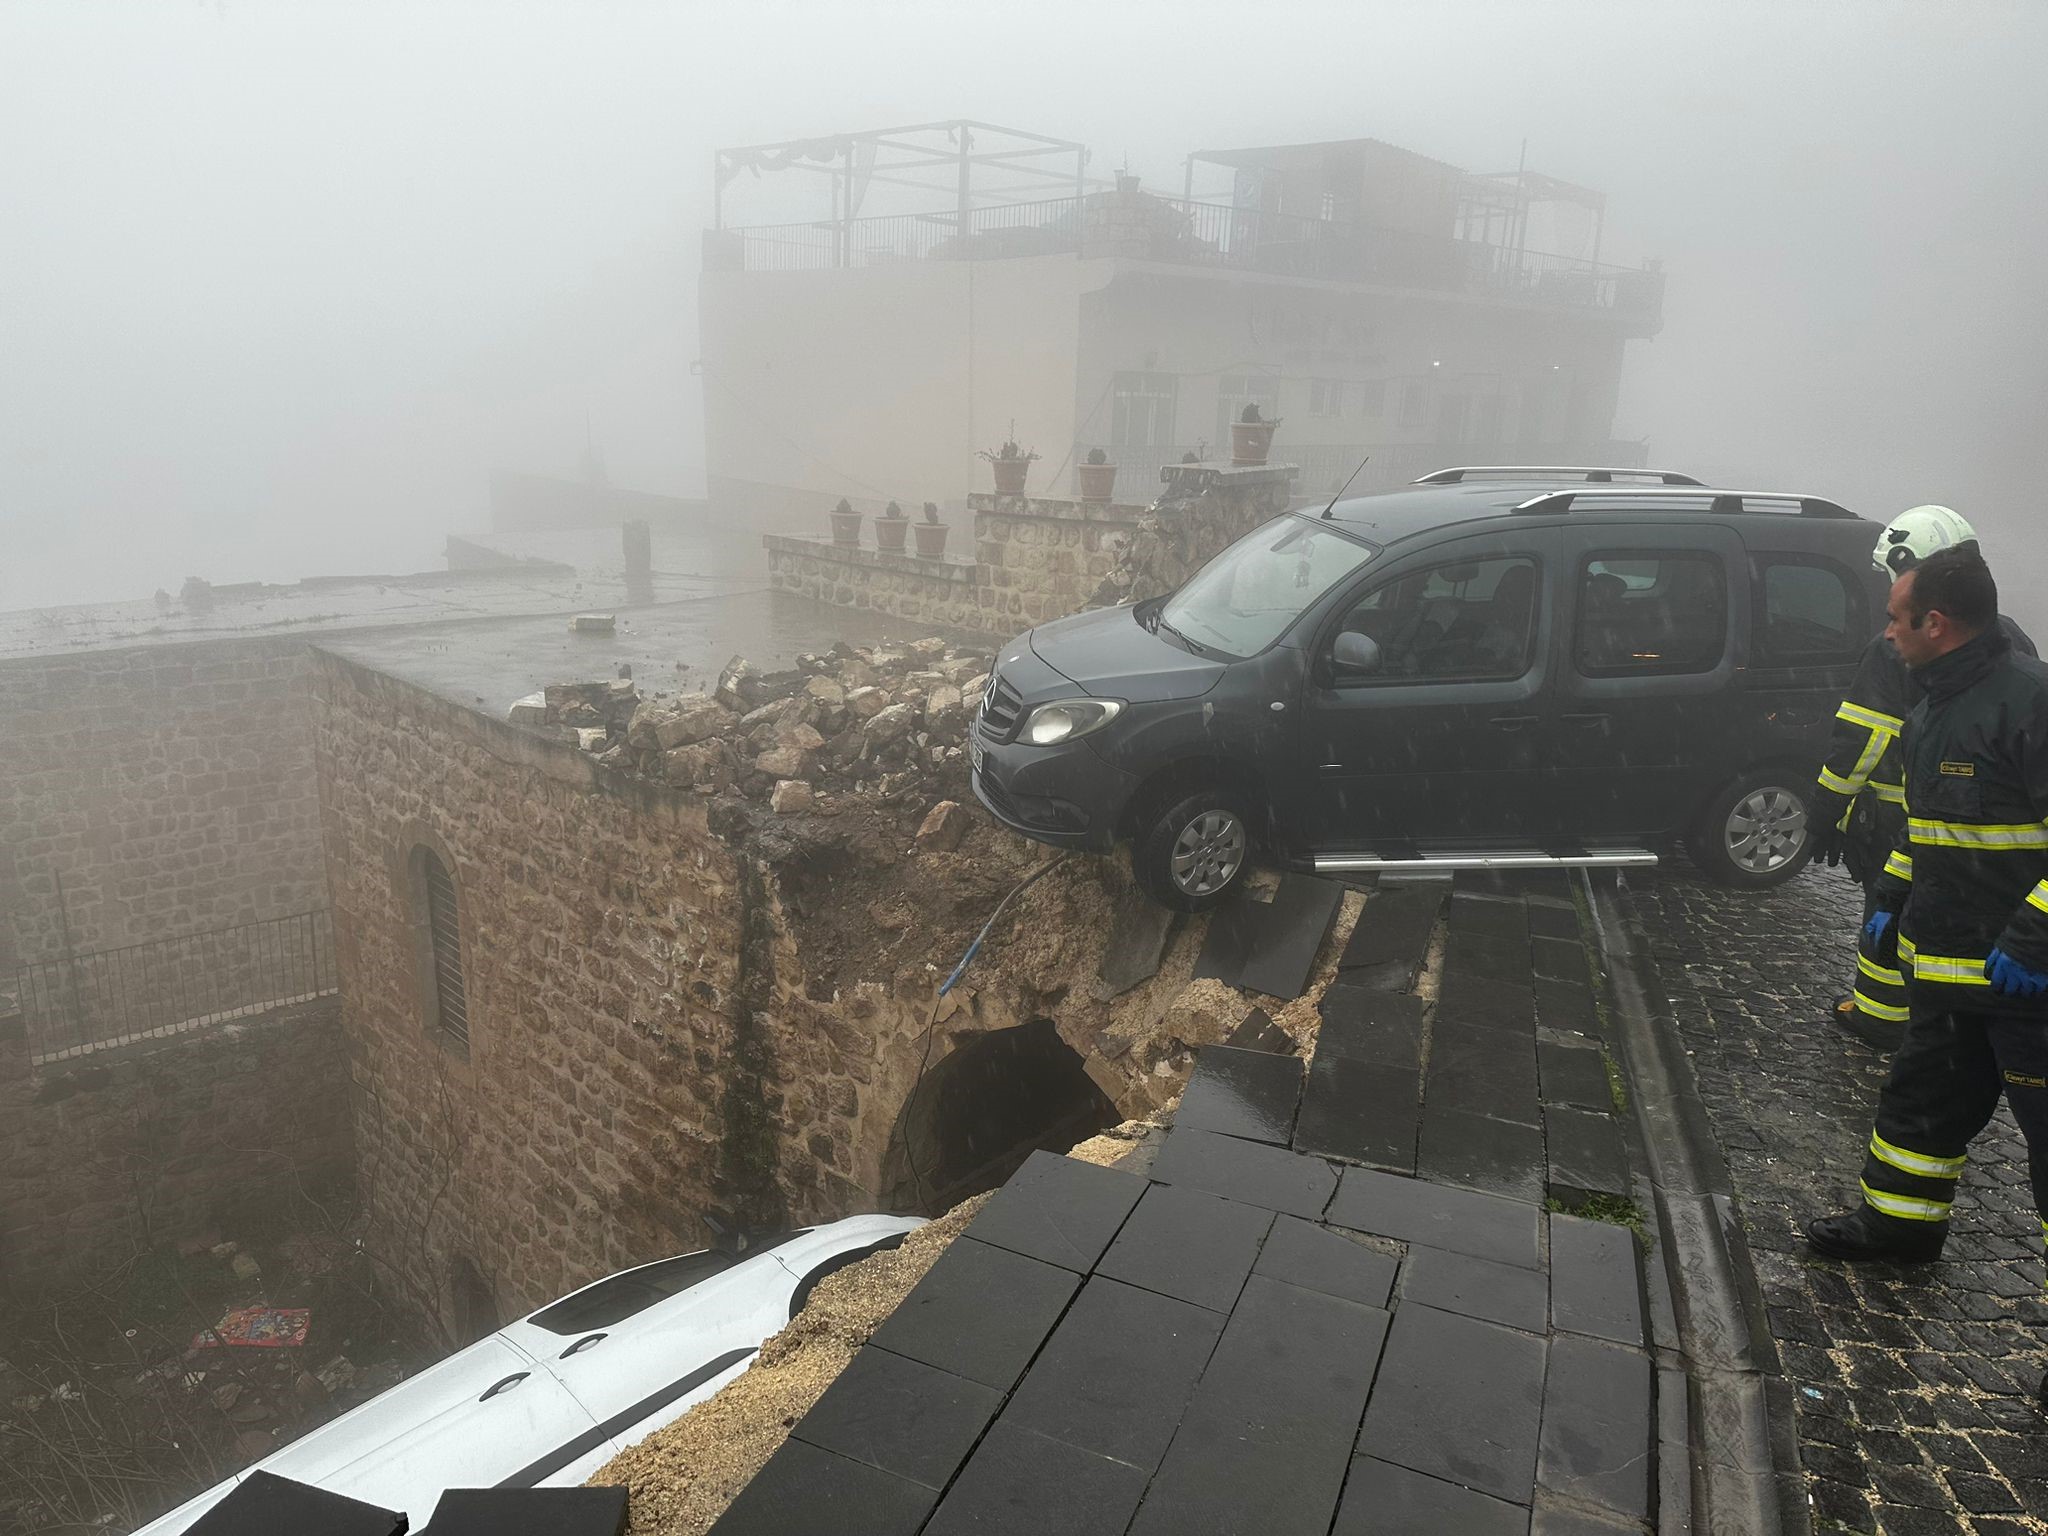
x,y
1860,807
1963,902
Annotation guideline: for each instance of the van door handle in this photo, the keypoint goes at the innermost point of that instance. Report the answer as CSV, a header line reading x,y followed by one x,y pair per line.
x,y
503,1386
1584,720
1513,722
580,1345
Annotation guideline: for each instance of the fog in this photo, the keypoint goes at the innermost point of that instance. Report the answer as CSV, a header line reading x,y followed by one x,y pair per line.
x,y
279,284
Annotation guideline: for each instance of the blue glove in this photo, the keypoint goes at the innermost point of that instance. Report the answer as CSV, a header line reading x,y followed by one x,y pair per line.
x,y
1881,939
2011,979
1874,930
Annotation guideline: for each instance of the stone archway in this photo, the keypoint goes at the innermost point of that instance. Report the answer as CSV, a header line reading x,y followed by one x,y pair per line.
x,y
982,1109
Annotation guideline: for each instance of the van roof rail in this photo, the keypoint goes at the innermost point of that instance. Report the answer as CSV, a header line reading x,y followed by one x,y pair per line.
x,y
1593,473
1720,503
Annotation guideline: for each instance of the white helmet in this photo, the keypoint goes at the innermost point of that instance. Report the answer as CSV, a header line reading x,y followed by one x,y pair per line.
x,y
1917,533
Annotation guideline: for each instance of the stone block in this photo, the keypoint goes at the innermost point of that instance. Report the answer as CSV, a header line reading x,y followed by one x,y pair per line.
x,y
789,797
943,826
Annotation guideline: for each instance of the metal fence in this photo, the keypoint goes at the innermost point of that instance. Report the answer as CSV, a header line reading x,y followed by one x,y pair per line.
x,y
84,1003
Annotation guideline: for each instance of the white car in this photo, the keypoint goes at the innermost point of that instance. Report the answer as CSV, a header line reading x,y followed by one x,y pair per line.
x,y
546,1401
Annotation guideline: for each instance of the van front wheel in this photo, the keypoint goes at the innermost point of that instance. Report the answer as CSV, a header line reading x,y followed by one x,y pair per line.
x,y
1193,852
1753,835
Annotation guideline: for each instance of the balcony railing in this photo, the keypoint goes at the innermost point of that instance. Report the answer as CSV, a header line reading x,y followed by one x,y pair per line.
x,y
1197,234
1324,466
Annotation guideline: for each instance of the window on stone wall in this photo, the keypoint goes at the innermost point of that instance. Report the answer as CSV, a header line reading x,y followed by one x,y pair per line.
x,y
447,1000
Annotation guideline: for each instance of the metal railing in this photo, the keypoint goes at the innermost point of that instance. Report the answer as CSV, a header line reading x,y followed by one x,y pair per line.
x,y
1186,232
74,1006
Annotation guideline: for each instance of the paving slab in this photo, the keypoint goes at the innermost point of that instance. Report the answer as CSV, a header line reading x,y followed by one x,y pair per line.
x,y
1585,1152
1554,1520
1289,933
1484,1071
1559,959
1256,1031
1251,1094
1021,1483
1553,921
1246,1171
1483,1002
1595,1280
1117,1373
1138,935
1267,1437
1567,1006
901,1416
1363,1024
805,1491
1381,1499
1463,1221
1317,1259
1597,1427
1185,1243
1502,1157
1574,1075
1355,1110
1391,940
1228,942
1058,1210
1490,917
1458,1399
979,1312
1492,1292
264,1503
525,1512
1484,956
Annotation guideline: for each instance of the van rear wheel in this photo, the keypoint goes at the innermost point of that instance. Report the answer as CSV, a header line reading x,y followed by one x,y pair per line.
x,y
1753,835
1194,852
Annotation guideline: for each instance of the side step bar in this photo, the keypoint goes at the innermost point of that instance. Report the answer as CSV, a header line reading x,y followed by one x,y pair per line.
x,y
1591,858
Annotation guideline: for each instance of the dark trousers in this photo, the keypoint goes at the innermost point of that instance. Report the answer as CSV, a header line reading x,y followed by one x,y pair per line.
x,y
1880,993
1945,1081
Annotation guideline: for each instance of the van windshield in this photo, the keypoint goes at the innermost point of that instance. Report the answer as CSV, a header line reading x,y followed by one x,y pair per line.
x,y
1244,599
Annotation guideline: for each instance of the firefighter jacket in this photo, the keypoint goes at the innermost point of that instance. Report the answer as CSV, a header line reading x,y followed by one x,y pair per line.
x,y
1970,871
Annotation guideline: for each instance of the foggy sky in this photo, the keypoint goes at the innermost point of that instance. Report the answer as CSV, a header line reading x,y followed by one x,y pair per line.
x,y
279,283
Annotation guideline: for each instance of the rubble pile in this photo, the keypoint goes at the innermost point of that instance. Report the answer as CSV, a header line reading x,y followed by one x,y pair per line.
x,y
886,721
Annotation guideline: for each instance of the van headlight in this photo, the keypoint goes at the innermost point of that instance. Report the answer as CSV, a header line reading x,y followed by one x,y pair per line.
x,y
1064,719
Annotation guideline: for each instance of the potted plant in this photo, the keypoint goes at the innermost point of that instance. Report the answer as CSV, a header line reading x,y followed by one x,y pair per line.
x,y
1251,436
1010,464
931,534
846,525
1097,476
889,530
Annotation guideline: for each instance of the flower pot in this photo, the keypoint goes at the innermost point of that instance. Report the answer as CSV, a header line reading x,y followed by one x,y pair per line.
x,y
1096,480
846,529
1010,475
1251,441
931,540
889,533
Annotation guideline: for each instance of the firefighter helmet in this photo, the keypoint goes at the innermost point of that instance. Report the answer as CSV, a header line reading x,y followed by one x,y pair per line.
x,y
1917,533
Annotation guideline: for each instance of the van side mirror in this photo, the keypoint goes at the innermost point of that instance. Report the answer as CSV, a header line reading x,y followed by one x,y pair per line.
x,y
1355,654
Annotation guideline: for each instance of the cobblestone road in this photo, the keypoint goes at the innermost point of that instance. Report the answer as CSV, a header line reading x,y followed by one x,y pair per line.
x,y
1913,1384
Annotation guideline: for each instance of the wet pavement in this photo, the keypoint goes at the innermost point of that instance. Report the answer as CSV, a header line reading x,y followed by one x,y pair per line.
x,y
1912,1384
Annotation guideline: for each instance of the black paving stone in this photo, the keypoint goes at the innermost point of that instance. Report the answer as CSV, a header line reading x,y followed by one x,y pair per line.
x,y
1551,922
1498,1156
1483,1071
1584,1151
1117,1372
264,1503
979,1312
1229,939
1595,1280
1566,1006
1271,1177
1575,1075
1317,1259
1182,1242
1137,940
1481,1288
1392,935
1982,1495
1242,1093
1597,1428
804,1491
1559,959
1268,1435
525,1512
1020,1483
1382,1028
1495,1097
1364,1113
1475,956
1382,1499
901,1416
1462,1221
1256,1031
1560,1520
1058,1210
1458,1399
1484,1004
1289,933
1489,917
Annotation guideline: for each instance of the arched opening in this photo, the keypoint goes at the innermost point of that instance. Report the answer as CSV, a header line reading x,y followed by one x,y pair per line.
x,y
983,1109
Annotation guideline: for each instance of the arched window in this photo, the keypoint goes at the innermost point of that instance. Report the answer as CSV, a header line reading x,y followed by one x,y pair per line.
x,y
447,1005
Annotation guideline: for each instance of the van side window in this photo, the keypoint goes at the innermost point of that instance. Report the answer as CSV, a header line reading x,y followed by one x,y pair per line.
x,y
1807,612
1472,621
1651,614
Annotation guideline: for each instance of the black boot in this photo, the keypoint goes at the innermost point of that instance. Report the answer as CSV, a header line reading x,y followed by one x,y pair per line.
x,y
1866,1234
1879,1034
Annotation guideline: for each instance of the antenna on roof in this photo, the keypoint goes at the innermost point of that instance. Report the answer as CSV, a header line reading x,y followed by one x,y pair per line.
x,y
1345,486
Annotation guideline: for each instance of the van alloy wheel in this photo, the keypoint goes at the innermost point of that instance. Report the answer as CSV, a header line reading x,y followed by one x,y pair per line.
x,y
1208,853
1766,830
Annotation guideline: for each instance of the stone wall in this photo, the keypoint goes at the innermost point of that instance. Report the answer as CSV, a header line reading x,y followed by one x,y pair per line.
x,y
219,1130
168,788
604,1102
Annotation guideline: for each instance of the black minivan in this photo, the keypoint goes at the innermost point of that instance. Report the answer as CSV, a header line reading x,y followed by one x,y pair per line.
x,y
1493,668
